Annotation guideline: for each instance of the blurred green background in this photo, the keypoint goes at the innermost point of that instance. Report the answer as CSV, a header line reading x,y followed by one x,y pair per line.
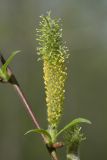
x,y
85,31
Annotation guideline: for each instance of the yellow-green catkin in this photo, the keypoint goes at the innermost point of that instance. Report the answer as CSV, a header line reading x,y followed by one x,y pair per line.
x,y
54,54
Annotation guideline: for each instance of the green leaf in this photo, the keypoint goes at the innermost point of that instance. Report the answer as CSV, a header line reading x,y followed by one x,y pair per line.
x,y
3,76
72,124
4,67
41,131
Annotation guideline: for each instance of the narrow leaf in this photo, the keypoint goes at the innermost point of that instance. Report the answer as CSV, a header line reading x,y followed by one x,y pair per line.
x,y
73,123
3,76
41,131
4,67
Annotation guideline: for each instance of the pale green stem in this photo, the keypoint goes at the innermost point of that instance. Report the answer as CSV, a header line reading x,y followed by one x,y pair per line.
x,y
53,133
73,152
72,156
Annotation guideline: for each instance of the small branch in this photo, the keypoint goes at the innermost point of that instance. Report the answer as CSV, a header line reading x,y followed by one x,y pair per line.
x,y
32,116
54,155
18,89
28,107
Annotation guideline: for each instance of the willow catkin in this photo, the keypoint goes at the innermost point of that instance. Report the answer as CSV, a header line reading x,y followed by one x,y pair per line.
x,y
53,53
